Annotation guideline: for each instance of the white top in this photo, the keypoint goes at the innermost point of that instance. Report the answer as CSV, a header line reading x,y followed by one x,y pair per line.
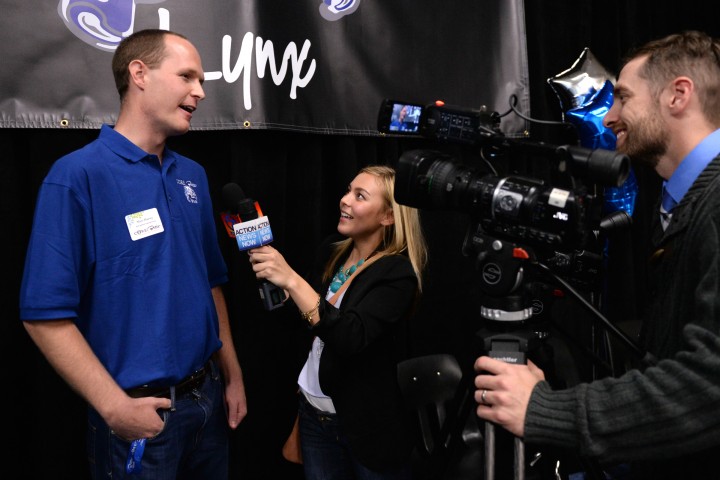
x,y
309,380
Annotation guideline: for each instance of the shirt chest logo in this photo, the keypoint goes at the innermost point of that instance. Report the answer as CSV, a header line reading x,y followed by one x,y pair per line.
x,y
189,190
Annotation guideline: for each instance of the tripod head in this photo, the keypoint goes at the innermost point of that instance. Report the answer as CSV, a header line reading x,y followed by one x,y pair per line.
x,y
514,300
507,299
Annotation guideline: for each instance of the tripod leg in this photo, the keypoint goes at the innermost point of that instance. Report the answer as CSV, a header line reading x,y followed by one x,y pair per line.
x,y
519,459
519,454
489,451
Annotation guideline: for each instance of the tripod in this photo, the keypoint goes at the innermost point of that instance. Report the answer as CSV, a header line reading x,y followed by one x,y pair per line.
x,y
510,341
508,307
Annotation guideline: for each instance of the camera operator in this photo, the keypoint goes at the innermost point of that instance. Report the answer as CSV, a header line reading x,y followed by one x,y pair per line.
x,y
663,419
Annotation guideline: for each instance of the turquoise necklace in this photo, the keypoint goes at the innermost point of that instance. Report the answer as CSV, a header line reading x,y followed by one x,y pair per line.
x,y
342,276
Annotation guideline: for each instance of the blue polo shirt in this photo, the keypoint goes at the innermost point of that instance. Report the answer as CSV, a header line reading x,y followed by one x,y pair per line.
x,y
128,248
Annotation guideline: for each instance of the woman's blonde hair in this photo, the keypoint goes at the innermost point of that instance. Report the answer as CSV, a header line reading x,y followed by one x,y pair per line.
x,y
404,236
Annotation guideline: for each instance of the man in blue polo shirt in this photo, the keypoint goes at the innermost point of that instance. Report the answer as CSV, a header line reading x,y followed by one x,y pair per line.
x,y
121,290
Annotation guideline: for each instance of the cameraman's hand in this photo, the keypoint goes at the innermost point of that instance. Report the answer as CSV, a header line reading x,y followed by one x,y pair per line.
x,y
503,392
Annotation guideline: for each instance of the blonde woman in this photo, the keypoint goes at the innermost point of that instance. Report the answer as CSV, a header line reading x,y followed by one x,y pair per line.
x,y
352,420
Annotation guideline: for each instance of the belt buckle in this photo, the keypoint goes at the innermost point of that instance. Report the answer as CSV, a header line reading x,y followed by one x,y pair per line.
x,y
197,374
192,381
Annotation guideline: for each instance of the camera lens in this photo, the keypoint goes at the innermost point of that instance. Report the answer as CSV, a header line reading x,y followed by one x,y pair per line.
x,y
433,180
516,208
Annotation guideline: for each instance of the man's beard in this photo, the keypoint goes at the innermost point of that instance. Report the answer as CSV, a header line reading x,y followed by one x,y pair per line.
x,y
647,142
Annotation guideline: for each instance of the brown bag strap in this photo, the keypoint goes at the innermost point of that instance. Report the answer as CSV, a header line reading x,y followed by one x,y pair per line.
x,y
345,285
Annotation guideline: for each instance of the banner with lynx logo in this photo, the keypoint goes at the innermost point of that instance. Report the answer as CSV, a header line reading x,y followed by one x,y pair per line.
x,y
318,66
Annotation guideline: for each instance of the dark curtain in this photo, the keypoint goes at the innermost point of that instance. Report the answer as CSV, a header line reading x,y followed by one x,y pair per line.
x,y
298,179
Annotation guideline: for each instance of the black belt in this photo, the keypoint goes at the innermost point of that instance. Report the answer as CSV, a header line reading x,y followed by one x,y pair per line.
x,y
186,385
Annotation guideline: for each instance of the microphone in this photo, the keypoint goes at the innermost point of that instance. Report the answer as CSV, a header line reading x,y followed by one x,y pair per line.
x,y
252,231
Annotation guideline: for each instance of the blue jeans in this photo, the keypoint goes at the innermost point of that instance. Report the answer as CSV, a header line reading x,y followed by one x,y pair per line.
x,y
326,454
192,445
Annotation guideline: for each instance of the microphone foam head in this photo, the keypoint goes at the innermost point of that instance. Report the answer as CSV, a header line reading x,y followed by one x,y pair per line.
x,y
232,194
237,202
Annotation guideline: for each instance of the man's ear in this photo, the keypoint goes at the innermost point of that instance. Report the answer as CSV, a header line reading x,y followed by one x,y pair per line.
x,y
137,72
681,90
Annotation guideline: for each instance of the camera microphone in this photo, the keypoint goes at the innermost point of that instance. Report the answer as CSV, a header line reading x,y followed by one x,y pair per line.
x,y
619,220
253,231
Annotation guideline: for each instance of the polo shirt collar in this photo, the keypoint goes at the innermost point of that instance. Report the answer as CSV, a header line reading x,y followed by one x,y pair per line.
x,y
124,148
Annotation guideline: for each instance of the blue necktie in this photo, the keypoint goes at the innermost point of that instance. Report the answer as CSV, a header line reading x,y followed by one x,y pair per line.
x,y
668,202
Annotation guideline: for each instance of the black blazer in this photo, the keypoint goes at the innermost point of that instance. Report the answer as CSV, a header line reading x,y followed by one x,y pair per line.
x,y
364,340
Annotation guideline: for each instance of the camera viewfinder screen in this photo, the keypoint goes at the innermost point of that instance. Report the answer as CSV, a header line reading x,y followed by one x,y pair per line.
x,y
405,118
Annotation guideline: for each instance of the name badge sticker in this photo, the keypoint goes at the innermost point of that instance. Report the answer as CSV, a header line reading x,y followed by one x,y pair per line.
x,y
144,224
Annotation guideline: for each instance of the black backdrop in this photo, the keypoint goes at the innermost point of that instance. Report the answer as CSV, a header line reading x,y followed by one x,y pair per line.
x,y
298,179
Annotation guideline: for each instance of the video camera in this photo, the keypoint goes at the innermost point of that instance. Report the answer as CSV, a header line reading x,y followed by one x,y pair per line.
x,y
555,219
532,237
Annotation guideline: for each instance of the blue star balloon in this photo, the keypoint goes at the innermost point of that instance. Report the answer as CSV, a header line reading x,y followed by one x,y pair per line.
x,y
576,86
593,134
588,119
